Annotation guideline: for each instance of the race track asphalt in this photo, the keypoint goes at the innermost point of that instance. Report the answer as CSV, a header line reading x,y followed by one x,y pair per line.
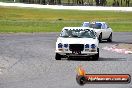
x,y
27,61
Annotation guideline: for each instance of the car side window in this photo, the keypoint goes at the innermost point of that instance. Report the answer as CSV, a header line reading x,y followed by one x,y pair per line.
x,y
103,26
93,33
98,25
107,26
85,25
64,33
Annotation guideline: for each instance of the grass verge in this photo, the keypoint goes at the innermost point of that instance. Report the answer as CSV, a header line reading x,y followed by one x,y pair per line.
x,y
47,20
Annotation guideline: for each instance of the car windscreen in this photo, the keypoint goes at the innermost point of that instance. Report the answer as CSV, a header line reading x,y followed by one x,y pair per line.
x,y
77,34
96,25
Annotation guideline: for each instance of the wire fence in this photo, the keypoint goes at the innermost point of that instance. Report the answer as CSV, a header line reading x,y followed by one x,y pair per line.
x,y
127,3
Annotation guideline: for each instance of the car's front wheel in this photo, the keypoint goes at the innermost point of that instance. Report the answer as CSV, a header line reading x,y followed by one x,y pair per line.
x,y
96,56
58,56
110,38
100,37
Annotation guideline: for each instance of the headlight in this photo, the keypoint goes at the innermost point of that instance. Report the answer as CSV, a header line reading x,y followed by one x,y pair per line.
x,y
87,46
60,45
93,46
66,45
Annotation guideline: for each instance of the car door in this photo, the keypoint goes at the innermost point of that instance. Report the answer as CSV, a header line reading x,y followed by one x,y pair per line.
x,y
104,31
108,30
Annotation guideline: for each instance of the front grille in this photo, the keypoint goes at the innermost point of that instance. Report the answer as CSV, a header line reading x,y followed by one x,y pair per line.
x,y
76,47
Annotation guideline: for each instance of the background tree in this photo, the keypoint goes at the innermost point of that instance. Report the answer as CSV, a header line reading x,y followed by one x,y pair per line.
x,y
97,2
121,2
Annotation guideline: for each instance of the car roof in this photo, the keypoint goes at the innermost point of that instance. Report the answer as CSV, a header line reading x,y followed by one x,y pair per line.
x,y
76,28
100,22
95,21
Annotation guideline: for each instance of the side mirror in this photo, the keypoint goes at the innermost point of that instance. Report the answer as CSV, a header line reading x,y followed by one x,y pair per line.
x,y
82,25
60,35
95,33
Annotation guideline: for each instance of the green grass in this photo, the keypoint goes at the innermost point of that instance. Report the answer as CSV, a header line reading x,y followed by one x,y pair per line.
x,y
47,20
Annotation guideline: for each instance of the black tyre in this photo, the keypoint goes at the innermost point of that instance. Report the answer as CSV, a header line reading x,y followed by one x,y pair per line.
x,y
100,37
110,38
68,58
96,56
58,56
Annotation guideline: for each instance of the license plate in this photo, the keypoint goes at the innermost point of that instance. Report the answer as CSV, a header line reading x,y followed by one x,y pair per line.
x,y
76,52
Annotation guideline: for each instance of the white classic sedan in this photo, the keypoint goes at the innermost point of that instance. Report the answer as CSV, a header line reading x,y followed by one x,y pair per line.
x,y
103,31
77,42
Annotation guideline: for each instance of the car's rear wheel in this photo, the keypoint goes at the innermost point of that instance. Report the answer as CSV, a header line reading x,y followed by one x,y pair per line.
x,y
96,56
58,56
110,38
100,37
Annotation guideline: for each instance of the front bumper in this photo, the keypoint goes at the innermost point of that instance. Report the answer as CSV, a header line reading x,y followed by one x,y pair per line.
x,y
83,53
